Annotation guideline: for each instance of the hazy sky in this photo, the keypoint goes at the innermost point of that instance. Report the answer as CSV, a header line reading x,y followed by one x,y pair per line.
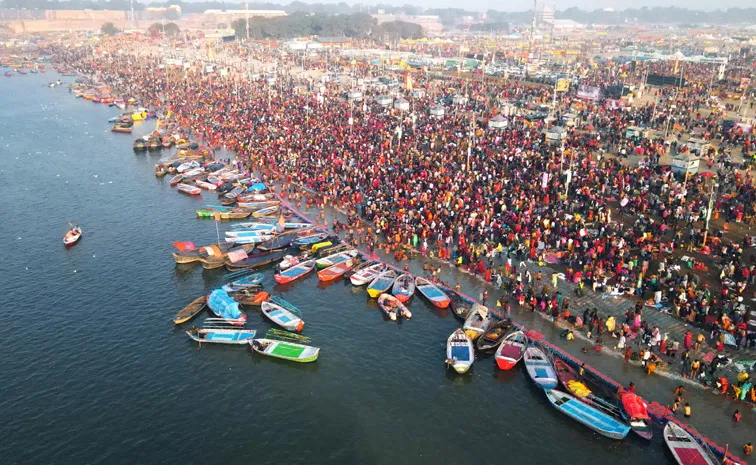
x,y
520,5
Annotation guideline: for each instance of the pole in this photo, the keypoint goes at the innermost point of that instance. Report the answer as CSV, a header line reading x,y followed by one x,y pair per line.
x,y
133,17
246,13
708,214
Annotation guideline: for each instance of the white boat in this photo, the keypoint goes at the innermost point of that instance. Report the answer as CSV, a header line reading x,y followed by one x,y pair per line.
x,y
218,331
367,274
540,368
205,185
249,239
282,317
187,166
477,321
285,350
249,233
335,259
685,449
254,227
460,353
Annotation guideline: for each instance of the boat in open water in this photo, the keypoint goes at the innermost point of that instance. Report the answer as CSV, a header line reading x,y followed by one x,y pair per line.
x,y
282,316
191,310
286,350
460,353
219,331
589,416
72,236
433,293
393,307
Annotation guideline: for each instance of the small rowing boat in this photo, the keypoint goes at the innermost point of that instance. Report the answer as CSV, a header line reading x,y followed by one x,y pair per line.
x,y
477,321
205,185
336,271
335,259
685,449
367,274
460,307
244,282
511,350
188,189
393,307
249,297
494,335
634,410
269,211
218,331
432,292
176,180
282,316
593,418
460,354
292,260
191,310
285,350
254,227
72,236
295,272
404,287
309,239
381,283
539,368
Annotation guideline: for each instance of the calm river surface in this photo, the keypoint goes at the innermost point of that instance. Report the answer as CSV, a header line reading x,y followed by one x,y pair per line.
x,y
94,371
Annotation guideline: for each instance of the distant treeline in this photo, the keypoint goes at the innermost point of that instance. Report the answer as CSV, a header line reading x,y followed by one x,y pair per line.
x,y
357,25
449,16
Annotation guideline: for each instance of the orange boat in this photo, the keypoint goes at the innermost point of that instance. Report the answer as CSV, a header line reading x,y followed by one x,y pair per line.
x,y
336,271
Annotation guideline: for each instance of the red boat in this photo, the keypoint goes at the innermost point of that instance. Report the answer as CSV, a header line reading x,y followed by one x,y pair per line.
x,y
335,271
686,450
295,272
189,189
72,237
511,350
635,412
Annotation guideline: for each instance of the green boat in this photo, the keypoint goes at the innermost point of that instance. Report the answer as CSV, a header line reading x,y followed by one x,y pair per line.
x,y
285,350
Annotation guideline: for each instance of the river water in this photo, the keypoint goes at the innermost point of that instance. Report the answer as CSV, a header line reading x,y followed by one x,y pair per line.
x,y
95,372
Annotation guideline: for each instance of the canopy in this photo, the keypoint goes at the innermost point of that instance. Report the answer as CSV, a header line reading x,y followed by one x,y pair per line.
x,y
223,305
258,187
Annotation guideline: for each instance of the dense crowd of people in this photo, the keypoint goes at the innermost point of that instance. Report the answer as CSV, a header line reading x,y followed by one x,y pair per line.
x,y
490,200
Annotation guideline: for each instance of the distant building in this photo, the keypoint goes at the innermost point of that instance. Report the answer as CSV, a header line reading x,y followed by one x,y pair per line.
x,y
431,24
544,17
335,41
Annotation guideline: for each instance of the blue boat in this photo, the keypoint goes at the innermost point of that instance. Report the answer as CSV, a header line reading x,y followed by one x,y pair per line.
x,y
311,239
219,333
244,282
225,306
540,369
595,419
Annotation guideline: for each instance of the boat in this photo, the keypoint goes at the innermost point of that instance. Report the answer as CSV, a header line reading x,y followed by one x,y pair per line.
x,y
292,260
176,179
336,271
511,350
460,307
254,260
335,259
285,350
192,254
381,283
249,297
282,316
191,310
225,307
393,307
218,331
121,128
205,185
460,354
249,239
430,291
494,335
233,214
309,239
258,205
254,227
404,287
72,237
319,245
539,368
634,411
140,145
294,272
477,321
269,211
685,449
188,189
154,144
245,282
589,416
236,234
187,166
367,274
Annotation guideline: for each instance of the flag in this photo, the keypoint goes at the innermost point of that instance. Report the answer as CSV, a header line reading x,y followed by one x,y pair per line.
x,y
184,246
562,85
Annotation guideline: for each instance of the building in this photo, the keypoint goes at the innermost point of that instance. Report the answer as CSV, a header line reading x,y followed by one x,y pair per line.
x,y
431,24
544,17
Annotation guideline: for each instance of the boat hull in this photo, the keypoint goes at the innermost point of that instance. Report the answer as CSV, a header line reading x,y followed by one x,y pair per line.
x,y
583,413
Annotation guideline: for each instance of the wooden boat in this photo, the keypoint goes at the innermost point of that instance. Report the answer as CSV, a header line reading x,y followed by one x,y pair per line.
x,y
187,189
205,185
266,227
191,310
309,239
160,172
154,144
460,353
393,307
318,246
72,237
335,259
207,252
381,283
477,321
430,291
539,368
139,145
635,412
121,128
176,179
249,297
511,350
255,260
233,214
593,418
494,335
403,287
367,274
285,350
460,307
336,271
295,272
220,333
244,281
293,260
257,205
685,449
269,211
282,316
